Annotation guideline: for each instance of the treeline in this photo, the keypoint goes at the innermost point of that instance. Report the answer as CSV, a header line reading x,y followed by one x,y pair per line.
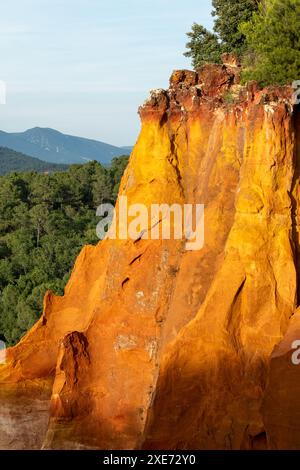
x,y
265,34
44,222
10,161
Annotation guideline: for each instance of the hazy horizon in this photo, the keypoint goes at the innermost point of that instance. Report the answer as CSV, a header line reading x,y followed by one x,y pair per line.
x,y
83,67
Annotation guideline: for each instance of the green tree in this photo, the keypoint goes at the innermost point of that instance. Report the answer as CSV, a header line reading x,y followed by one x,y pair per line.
x,y
229,15
205,46
118,166
39,216
45,219
8,325
273,40
102,187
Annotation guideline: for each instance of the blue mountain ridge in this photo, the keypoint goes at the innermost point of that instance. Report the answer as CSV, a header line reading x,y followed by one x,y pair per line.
x,y
53,146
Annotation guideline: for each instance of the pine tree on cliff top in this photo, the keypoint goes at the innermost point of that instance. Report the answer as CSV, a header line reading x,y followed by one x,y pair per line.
x,y
273,38
205,47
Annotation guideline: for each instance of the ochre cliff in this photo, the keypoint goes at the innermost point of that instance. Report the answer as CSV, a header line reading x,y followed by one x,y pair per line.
x,y
153,346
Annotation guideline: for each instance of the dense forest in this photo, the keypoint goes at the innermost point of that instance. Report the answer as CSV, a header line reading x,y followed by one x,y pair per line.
x,y
264,34
10,160
45,219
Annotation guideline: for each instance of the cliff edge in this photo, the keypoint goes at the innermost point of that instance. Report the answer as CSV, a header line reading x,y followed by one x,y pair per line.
x,y
156,347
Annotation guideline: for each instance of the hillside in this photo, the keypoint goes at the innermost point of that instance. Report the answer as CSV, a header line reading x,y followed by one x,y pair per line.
x,y
11,161
55,147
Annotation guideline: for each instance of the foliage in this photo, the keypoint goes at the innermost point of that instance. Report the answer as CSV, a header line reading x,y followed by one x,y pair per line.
x,y
10,160
229,97
45,219
205,46
274,43
230,14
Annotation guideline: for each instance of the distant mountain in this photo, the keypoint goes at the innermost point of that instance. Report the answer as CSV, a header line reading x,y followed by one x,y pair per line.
x,y
53,146
11,161
127,149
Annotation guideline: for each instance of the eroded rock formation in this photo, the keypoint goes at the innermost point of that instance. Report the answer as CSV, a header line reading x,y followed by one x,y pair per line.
x,y
153,346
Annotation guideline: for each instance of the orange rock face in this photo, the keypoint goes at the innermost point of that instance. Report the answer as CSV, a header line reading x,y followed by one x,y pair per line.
x,y
153,346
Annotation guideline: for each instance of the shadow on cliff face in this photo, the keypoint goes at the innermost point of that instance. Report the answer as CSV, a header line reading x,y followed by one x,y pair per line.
x,y
24,415
146,332
210,388
281,404
213,377
295,198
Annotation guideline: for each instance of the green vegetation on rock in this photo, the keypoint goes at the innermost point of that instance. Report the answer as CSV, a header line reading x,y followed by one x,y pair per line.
x,y
273,41
265,34
205,46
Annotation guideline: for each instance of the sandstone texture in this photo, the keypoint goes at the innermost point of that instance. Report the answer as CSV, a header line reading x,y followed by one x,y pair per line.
x,y
156,347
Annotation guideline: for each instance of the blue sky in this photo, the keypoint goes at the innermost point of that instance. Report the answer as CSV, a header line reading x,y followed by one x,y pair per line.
x,y
84,66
